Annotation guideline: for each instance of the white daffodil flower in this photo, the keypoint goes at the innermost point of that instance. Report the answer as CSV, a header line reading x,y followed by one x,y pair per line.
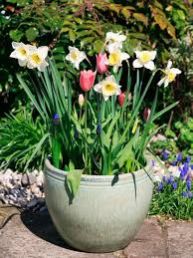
x,y
37,58
114,41
145,59
116,58
170,74
108,87
21,52
75,56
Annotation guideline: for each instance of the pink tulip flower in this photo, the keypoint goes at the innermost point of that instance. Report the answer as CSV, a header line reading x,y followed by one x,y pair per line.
x,y
87,79
101,60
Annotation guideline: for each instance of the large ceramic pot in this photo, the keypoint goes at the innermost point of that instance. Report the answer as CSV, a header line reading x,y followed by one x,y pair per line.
x,y
105,214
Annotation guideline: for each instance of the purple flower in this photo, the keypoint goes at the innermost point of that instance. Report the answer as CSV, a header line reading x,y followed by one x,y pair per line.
x,y
165,155
179,157
188,184
160,187
185,194
174,185
56,119
188,159
164,179
191,166
170,180
99,129
184,170
190,195
173,163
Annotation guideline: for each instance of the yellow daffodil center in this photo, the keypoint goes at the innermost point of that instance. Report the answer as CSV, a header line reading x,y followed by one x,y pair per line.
x,y
74,55
171,76
36,59
145,57
115,58
109,88
22,51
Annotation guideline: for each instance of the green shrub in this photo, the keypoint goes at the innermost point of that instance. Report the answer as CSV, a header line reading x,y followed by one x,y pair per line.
x,y
185,135
23,142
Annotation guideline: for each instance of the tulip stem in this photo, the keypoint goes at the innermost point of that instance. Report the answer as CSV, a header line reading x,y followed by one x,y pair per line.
x,y
85,124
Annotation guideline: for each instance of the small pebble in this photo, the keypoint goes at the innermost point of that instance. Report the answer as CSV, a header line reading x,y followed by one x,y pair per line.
x,y
25,180
32,203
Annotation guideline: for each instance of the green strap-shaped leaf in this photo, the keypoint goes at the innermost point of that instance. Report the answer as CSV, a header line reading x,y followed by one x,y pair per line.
x,y
73,181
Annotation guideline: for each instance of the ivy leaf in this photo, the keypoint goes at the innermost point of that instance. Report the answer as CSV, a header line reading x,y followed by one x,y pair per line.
x,y
31,34
73,181
16,35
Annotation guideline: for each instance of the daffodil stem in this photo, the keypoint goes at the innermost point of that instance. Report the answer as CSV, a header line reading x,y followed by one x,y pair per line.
x,y
135,113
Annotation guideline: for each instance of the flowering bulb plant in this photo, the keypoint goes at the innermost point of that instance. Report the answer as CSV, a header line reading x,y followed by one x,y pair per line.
x,y
95,122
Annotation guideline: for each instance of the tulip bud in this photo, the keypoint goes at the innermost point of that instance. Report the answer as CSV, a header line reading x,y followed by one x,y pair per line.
x,y
81,100
101,61
146,113
121,99
87,79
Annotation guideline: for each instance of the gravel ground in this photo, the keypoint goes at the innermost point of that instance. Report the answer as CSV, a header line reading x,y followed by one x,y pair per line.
x,y
24,191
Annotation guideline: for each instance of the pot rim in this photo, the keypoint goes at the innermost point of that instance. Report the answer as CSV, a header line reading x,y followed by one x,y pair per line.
x,y
139,175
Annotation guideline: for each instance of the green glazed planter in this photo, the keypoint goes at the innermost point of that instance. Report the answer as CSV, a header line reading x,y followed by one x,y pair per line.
x,y
105,214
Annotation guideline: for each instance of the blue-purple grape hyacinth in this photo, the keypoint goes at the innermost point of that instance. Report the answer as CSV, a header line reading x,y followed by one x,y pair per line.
x,y
181,180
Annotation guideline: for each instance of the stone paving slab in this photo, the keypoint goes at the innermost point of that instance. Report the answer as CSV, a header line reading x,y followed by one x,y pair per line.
x,y
33,236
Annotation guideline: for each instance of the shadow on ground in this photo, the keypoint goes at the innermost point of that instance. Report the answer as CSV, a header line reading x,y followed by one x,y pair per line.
x,y
41,225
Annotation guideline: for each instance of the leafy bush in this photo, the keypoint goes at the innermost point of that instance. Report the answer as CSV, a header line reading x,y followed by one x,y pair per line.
x,y
182,56
185,135
179,139
23,142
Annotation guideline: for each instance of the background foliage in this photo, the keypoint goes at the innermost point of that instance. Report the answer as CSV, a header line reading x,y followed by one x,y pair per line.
x,y
148,24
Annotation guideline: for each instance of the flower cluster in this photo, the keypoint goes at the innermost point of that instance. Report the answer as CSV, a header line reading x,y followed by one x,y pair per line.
x,y
30,56
99,126
114,57
182,174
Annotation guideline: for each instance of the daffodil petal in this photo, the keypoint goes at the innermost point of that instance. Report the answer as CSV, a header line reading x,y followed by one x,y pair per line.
x,y
98,87
13,54
150,65
16,44
166,83
105,97
138,54
169,65
110,78
153,54
22,62
124,56
161,81
176,70
43,51
137,63
42,67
